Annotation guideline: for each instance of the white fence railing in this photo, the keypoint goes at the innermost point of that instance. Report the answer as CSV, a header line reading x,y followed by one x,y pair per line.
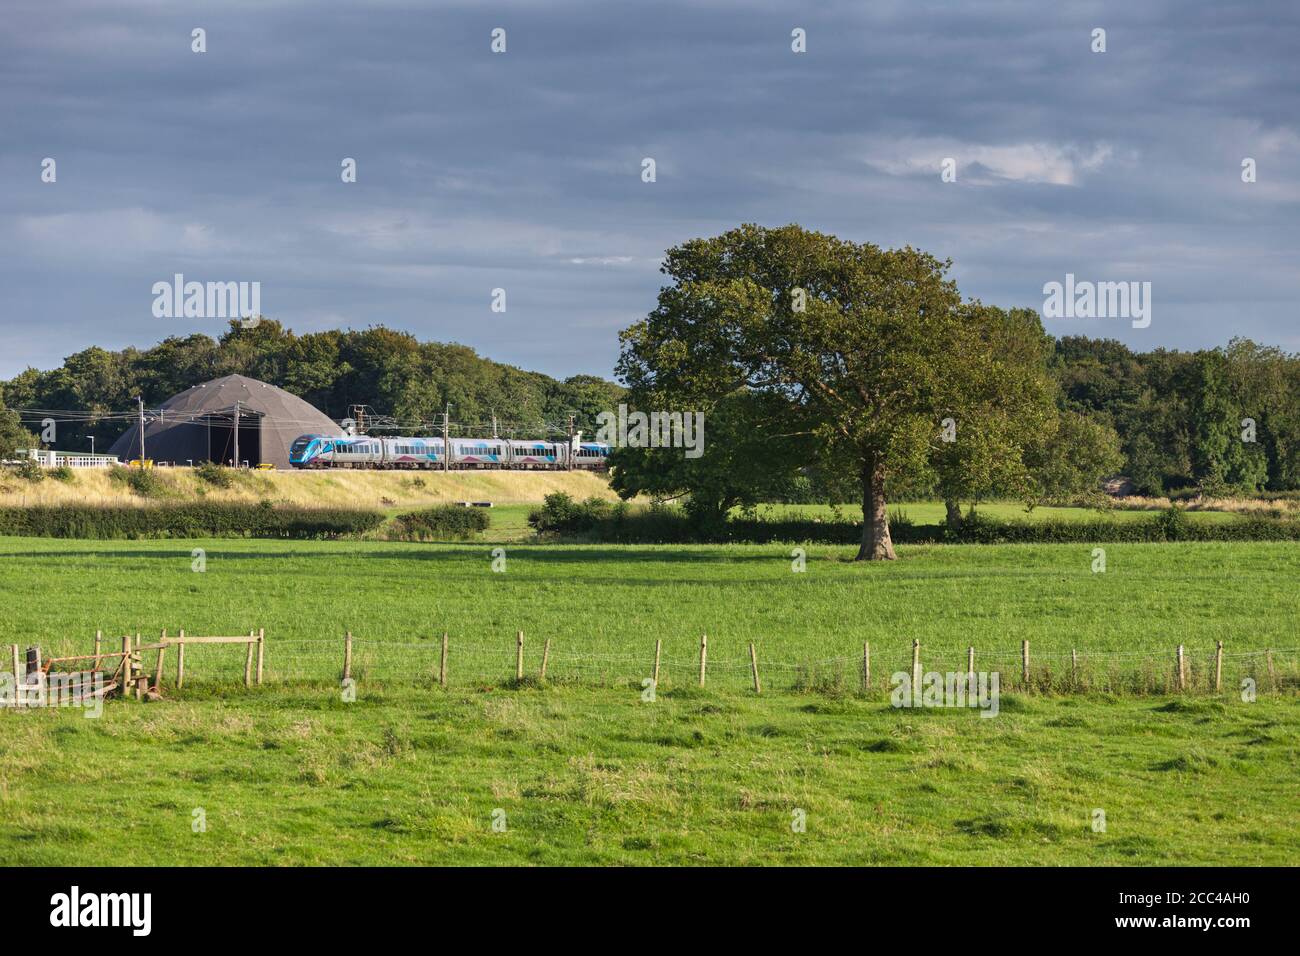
x,y
49,458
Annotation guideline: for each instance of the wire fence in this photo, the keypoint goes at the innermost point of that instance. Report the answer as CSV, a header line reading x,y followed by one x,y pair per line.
x,y
872,669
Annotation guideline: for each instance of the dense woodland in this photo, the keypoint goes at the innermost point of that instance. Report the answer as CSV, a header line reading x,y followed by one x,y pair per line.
x,y
1178,415
391,371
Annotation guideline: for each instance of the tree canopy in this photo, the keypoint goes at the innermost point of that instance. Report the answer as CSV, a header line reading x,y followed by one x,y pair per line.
x,y
869,349
391,371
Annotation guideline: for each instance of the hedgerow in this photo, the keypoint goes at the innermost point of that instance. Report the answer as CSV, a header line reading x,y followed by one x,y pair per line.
x,y
439,523
597,520
203,519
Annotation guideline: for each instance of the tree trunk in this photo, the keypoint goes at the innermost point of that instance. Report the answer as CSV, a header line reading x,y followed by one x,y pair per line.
x,y
876,544
954,514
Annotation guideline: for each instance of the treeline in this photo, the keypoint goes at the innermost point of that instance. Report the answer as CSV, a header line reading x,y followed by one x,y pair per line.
x,y
1222,421
392,372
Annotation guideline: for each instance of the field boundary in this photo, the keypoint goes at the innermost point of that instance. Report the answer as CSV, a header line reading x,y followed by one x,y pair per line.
x,y
521,661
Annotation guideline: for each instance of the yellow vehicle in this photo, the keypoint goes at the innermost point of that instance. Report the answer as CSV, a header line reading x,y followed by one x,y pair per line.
x,y
140,463
265,466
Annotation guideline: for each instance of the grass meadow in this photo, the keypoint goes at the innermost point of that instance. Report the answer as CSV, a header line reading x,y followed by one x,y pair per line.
x,y
604,606
595,776
587,772
933,512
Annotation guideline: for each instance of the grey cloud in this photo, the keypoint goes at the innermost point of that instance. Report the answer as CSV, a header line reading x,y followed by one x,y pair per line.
x,y
522,171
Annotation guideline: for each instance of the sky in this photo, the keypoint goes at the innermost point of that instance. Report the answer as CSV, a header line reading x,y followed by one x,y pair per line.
x,y
523,170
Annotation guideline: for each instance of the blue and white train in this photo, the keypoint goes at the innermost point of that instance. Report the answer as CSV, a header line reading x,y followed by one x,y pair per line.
x,y
374,451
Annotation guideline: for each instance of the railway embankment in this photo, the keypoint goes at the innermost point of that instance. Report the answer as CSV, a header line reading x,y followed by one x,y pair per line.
x,y
335,488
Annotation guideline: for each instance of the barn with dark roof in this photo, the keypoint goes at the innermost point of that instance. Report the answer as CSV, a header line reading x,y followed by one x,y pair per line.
x,y
199,424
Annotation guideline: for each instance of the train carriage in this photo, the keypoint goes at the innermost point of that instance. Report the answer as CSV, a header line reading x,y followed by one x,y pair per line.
x,y
537,454
412,452
591,455
480,452
364,451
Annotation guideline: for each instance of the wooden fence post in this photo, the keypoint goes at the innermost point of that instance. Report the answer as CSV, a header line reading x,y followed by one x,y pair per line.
x,y
1182,669
1074,668
18,674
99,647
248,658
519,656
34,675
970,664
916,665
261,649
546,655
442,667
158,665
659,645
126,665
158,669
1218,667
180,660
866,667
137,668
347,655
1272,674
753,663
1024,664
704,655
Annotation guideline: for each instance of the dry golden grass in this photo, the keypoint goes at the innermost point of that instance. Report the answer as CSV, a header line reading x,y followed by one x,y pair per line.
x,y
1232,505
365,489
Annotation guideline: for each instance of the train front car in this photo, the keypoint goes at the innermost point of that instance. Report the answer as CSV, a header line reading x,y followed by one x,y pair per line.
x,y
591,454
413,452
537,454
310,451
478,453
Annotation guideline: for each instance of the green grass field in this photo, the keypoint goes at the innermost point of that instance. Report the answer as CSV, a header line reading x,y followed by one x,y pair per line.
x,y
595,776
608,604
932,512
588,773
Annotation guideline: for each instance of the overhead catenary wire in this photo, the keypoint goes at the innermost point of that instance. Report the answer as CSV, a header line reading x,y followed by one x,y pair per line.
x,y
431,427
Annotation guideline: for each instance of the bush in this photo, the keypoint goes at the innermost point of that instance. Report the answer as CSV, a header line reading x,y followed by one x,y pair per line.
x,y
185,520
63,473
601,520
561,514
30,471
440,523
215,475
145,482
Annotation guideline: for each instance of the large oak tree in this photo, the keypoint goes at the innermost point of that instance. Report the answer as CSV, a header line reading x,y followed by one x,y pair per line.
x,y
871,348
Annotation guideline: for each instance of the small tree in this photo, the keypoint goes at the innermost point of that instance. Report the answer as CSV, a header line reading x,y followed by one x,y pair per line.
x,y
1072,456
982,452
12,434
751,453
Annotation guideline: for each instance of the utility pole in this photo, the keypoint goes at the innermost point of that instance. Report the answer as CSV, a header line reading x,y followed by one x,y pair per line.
x,y
446,439
494,424
236,434
568,458
140,400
